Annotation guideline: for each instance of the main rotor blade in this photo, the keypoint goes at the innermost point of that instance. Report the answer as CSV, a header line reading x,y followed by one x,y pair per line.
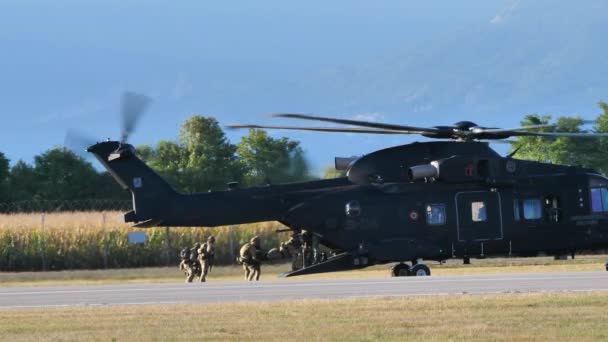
x,y
384,126
560,134
323,129
132,107
507,130
497,141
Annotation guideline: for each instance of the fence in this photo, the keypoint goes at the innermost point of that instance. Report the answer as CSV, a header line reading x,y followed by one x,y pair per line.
x,y
48,206
96,240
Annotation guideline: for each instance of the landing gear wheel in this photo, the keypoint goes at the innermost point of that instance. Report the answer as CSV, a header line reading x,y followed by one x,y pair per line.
x,y
400,270
606,266
421,270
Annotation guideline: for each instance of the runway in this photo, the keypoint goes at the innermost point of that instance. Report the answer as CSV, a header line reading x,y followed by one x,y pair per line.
x,y
275,290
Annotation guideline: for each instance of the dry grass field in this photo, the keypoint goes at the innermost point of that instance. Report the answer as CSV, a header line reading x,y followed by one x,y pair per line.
x,y
515,317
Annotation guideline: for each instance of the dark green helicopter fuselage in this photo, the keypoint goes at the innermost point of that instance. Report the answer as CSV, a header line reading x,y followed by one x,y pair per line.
x,y
434,201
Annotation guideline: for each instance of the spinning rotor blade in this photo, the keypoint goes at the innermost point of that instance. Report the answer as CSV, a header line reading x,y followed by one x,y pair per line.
x,y
77,143
401,128
322,129
132,107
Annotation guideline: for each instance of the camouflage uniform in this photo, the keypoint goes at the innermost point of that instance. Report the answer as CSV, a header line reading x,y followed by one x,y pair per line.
x,y
308,250
291,249
189,263
206,255
251,257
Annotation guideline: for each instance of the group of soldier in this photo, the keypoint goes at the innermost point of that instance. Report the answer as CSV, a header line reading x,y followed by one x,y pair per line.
x,y
198,260
301,248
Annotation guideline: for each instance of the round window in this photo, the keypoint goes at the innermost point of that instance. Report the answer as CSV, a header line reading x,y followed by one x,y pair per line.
x,y
353,209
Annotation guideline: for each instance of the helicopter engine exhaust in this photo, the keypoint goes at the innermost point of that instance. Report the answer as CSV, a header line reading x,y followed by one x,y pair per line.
x,y
423,171
343,164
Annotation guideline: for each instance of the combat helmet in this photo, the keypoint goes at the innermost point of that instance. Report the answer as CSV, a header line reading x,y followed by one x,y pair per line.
x,y
211,238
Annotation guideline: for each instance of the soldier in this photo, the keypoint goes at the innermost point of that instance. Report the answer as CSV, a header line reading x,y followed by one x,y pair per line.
x,y
189,263
291,249
206,255
251,257
308,250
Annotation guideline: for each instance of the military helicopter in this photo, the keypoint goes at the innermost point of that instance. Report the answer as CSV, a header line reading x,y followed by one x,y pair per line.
x,y
453,198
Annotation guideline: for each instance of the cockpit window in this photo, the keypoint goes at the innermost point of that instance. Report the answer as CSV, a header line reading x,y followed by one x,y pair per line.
x,y
435,214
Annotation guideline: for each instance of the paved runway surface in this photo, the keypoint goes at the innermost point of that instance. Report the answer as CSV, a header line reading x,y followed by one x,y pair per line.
x,y
215,292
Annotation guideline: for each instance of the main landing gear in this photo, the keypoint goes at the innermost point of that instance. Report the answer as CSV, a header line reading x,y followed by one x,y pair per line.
x,y
404,270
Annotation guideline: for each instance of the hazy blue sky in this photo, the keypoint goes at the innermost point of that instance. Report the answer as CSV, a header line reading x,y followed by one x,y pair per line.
x,y
64,64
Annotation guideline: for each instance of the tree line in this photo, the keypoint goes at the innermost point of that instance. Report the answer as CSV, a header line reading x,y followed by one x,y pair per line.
x,y
586,152
200,159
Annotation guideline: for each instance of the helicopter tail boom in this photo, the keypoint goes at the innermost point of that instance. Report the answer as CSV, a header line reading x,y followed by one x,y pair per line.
x,y
156,203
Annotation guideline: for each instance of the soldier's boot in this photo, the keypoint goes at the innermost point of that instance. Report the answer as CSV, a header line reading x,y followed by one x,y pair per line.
x,y
190,276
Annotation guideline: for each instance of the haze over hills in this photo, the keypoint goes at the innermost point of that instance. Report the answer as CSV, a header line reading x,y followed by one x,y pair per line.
x,y
422,64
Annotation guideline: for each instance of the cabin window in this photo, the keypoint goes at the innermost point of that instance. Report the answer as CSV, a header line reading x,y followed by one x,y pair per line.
x,y
533,209
516,214
478,211
599,200
435,214
353,209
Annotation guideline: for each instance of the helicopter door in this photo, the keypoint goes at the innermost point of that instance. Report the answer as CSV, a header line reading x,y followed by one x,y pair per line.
x,y
479,216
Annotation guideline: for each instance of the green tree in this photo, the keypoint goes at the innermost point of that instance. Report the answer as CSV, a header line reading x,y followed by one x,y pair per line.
x,y
62,175
209,159
167,159
202,158
22,183
587,152
4,173
266,159
600,151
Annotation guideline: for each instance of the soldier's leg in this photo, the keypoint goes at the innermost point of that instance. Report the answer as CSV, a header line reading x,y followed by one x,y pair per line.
x,y
258,270
189,274
204,271
251,269
246,268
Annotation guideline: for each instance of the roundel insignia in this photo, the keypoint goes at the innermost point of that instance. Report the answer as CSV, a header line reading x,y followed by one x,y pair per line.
x,y
511,166
414,215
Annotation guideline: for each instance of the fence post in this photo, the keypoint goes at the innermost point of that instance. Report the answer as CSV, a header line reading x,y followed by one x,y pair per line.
x,y
167,247
105,240
42,242
232,256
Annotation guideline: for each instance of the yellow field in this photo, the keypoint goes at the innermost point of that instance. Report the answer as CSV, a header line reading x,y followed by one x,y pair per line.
x,y
93,240
514,317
